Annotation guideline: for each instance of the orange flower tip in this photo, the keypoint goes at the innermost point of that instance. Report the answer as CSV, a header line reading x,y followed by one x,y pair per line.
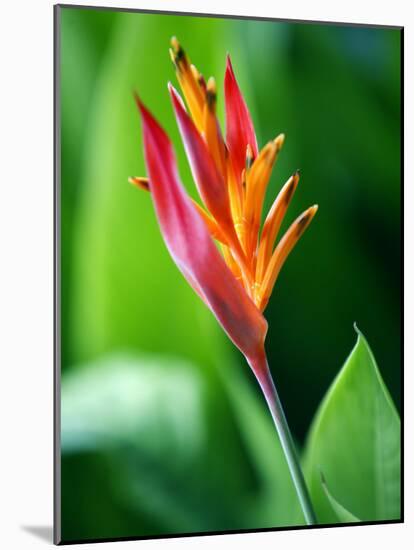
x,y
249,156
202,83
177,53
195,72
211,95
295,177
141,183
305,219
269,152
174,43
279,141
199,78
211,85
290,187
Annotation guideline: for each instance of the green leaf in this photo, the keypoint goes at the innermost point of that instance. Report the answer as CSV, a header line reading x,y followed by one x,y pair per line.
x,y
342,513
355,441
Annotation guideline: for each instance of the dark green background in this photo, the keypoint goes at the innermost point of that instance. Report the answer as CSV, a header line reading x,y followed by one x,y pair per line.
x,y
335,92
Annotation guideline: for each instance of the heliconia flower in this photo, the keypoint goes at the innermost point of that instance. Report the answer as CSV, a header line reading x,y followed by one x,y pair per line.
x,y
231,176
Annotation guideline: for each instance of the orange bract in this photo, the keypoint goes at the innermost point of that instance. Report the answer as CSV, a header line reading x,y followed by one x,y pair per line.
x,y
244,172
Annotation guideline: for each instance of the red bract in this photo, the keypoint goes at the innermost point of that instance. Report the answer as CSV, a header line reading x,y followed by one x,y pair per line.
x,y
239,126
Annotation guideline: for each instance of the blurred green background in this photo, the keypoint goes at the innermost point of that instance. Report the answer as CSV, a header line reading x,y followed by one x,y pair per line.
x,y
163,426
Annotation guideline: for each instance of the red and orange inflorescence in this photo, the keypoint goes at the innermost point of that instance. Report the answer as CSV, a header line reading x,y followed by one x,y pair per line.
x,y
232,177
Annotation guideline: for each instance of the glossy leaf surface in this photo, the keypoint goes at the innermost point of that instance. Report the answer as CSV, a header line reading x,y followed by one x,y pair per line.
x,y
355,442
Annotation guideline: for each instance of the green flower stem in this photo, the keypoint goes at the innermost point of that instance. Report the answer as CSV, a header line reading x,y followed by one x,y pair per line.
x,y
265,380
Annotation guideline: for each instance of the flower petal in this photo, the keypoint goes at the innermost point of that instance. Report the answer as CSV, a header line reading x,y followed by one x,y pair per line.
x,y
212,131
191,82
257,179
239,126
281,252
192,248
272,225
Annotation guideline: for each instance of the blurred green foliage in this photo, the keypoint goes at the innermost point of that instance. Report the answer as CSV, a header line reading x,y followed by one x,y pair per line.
x,y
128,313
170,461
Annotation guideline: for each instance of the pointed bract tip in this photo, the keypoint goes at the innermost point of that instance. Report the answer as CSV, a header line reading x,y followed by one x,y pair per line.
x,y
176,99
211,84
147,117
310,212
174,43
211,93
177,53
359,333
173,92
279,141
202,82
141,183
304,219
139,103
229,65
195,72
297,172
